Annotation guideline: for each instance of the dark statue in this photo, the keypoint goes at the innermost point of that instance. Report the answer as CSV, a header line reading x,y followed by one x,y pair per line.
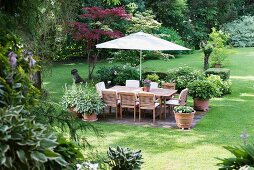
x,y
76,76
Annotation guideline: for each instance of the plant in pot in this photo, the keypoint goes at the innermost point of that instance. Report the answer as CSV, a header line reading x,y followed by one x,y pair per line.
x,y
84,101
202,91
184,116
147,84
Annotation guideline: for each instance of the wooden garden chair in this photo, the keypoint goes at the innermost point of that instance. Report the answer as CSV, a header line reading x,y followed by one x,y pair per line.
x,y
110,98
147,102
128,100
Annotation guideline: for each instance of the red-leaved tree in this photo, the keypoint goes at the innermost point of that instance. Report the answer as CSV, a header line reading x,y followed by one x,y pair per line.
x,y
94,26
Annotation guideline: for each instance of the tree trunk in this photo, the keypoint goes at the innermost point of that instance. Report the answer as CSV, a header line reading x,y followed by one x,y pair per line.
x,y
206,61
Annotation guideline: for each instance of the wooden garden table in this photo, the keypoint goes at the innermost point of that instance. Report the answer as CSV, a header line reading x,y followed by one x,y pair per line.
x,y
158,92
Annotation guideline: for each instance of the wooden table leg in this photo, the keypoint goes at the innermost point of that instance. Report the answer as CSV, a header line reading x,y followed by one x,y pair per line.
x,y
160,106
165,107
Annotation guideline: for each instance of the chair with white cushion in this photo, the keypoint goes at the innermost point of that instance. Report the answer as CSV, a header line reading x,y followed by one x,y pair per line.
x,y
99,87
181,101
132,83
154,85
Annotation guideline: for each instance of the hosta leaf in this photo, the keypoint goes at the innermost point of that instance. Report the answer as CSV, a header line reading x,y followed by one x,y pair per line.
x,y
38,156
22,156
51,154
4,148
8,162
4,128
47,143
61,161
2,159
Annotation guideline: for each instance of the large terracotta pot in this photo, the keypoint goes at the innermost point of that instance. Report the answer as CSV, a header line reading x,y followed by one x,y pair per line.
x,y
184,120
90,117
77,114
200,104
147,88
217,65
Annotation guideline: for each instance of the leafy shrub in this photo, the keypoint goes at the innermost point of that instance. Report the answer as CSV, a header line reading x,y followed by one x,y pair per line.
x,y
153,77
28,145
183,109
222,72
182,76
117,74
223,86
241,31
161,75
218,38
120,158
244,155
82,99
203,89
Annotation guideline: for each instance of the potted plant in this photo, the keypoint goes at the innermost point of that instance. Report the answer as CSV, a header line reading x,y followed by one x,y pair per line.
x,y
84,101
147,84
202,91
184,116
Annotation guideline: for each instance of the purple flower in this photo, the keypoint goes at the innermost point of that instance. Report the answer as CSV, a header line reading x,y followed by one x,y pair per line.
x,y
13,59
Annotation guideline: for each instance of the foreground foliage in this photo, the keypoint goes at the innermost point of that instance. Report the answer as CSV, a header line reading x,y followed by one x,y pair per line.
x,y
121,158
244,155
28,145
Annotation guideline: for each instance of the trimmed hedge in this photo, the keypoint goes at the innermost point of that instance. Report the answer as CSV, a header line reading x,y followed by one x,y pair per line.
x,y
224,73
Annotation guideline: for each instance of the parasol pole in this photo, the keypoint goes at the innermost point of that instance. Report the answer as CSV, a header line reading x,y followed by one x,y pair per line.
x,y
140,58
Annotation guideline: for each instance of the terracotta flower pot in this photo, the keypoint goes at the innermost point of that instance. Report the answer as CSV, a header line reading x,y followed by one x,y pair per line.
x,y
147,88
90,117
184,120
217,66
77,114
200,104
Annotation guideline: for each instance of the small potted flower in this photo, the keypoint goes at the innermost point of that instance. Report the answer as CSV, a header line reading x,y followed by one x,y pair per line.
x,y
184,116
82,100
147,84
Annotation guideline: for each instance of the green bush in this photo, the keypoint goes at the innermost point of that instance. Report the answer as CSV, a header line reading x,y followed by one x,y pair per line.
x,y
117,75
29,145
120,158
82,99
241,31
203,89
161,75
182,76
222,72
153,77
223,86
244,155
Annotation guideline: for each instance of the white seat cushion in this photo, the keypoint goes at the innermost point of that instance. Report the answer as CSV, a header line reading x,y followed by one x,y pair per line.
x,y
132,83
173,102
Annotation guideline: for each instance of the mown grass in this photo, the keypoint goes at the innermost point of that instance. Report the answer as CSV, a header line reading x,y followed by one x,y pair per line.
x,y
164,148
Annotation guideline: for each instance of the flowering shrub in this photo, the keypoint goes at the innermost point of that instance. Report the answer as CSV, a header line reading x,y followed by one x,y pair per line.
x,y
182,76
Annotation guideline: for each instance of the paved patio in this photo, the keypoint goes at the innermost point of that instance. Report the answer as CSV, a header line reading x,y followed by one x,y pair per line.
x,y
128,118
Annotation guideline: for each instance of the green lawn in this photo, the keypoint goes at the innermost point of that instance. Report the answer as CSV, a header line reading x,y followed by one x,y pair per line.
x,y
176,149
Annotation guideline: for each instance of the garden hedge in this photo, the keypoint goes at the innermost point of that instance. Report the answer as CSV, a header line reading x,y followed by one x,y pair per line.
x,y
222,72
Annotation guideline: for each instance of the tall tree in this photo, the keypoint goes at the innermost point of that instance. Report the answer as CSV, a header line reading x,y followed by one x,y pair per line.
x,y
95,25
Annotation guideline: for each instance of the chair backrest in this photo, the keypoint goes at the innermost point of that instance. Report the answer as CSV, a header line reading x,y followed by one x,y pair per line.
x,y
109,97
99,87
128,99
169,86
146,100
132,83
154,85
183,96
